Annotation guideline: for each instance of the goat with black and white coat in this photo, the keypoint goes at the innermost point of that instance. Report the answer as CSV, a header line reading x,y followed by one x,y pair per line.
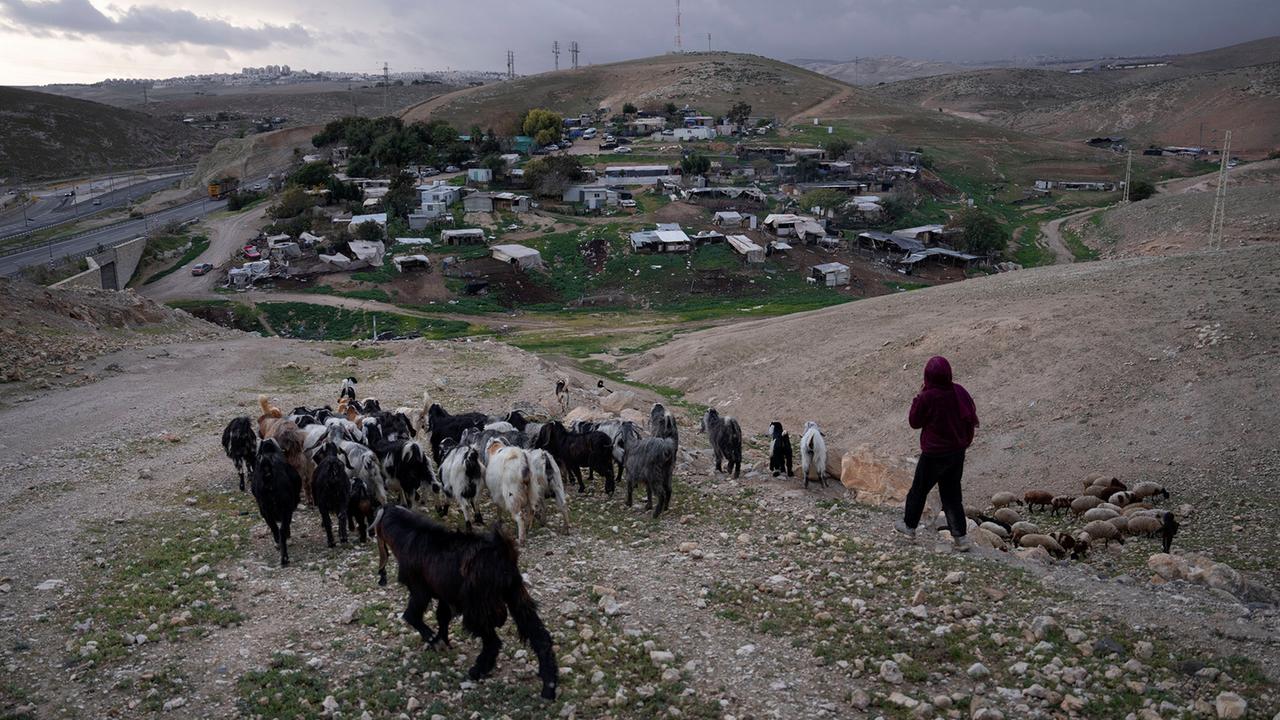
x,y
461,477
725,435
240,443
780,453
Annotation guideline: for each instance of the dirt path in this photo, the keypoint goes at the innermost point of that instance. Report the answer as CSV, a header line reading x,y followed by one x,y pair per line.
x,y
1052,230
226,235
822,107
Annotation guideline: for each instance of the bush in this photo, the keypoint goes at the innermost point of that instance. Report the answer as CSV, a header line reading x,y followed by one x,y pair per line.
x,y
980,232
241,199
1141,190
311,175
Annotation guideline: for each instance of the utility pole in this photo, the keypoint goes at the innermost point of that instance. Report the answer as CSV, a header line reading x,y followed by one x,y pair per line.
x,y
573,53
1220,198
1128,175
386,88
352,95
511,65
679,42
555,50
708,42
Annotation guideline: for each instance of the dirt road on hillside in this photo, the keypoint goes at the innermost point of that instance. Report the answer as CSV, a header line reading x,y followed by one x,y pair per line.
x,y
227,235
1052,230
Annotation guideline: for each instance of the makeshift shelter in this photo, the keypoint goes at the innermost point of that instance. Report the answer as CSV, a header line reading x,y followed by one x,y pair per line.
x,y
729,219
662,240
831,274
745,247
519,256
464,236
367,252
405,263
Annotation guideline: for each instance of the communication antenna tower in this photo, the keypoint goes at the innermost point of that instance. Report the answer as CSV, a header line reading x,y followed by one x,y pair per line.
x,y
555,50
679,41
1220,198
511,65
708,42
573,53
1128,175
386,87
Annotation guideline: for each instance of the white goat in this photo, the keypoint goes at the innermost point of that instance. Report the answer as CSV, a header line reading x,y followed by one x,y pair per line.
x,y
547,483
509,477
813,454
461,474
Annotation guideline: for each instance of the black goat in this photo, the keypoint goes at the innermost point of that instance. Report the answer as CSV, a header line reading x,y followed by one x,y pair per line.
x,y
1168,530
662,424
276,487
382,426
726,440
240,443
780,453
443,426
592,450
407,467
476,575
650,461
332,490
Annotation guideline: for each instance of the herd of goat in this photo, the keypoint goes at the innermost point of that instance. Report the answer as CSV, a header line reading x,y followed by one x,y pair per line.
x,y
348,462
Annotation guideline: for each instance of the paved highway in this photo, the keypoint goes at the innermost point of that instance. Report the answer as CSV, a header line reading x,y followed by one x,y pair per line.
x,y
52,208
105,236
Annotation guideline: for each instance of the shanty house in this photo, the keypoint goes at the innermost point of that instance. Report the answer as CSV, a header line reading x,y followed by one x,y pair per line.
x,y
745,247
465,236
925,234
667,238
593,196
831,274
938,255
518,256
729,218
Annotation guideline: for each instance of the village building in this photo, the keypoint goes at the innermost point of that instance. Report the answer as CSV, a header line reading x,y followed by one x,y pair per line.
x,y
832,274
666,238
518,256
405,263
747,248
464,236
495,201
640,174
592,196
730,219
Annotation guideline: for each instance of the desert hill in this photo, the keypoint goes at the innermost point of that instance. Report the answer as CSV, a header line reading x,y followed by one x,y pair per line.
x,y
994,94
877,70
709,81
45,136
1093,367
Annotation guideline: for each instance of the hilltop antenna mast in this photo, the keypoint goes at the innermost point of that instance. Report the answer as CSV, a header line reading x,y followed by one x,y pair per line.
x,y
573,53
708,42
386,88
1220,198
1128,174
511,65
555,50
679,41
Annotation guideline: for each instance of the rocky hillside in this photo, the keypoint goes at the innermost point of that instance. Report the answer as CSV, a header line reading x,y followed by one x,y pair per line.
x,y
994,94
878,70
47,336
1145,369
49,136
708,81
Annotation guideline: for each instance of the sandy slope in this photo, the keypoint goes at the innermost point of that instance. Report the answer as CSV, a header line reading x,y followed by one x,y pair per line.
x,y
1154,368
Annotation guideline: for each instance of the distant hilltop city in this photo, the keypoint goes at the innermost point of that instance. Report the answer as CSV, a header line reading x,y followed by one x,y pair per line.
x,y
285,75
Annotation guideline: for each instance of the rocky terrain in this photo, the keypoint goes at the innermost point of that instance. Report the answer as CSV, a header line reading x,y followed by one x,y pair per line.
x,y
153,590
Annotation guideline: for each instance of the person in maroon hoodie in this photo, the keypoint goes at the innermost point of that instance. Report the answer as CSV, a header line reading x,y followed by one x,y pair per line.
x,y
946,417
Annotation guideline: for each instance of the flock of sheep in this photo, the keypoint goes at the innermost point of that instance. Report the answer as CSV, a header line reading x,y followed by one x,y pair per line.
x,y
1108,509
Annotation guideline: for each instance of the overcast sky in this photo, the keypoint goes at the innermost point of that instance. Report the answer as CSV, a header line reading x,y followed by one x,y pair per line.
x,y
82,40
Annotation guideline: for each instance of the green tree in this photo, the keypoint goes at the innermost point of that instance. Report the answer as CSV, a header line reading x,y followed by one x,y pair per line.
x,y
361,166
496,164
980,232
807,169
628,109
312,174
549,176
837,149
291,203
369,232
1141,190
695,164
401,197
739,113
542,125
825,198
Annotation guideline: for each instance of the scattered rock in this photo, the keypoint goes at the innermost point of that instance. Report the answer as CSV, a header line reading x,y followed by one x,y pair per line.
x,y
1230,705
51,584
330,704
977,671
890,672
1041,625
174,703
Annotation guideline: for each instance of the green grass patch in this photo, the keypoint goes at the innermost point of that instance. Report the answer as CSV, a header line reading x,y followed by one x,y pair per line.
x,y
359,353
226,313
321,322
1080,251
198,245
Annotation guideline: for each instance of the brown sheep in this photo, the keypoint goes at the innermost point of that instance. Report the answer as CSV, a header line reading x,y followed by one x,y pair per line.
x,y
1099,513
1062,502
1145,525
1037,498
1150,489
1004,499
1044,541
1104,531
1138,508
1022,528
1083,503
1120,523
1008,516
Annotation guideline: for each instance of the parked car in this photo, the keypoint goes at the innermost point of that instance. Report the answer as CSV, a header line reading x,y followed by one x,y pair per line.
x,y
551,148
201,269
252,252
256,187
453,168
588,133
608,145
624,141
622,149
627,203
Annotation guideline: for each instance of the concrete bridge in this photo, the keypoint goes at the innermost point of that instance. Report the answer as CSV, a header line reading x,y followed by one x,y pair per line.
x,y
110,269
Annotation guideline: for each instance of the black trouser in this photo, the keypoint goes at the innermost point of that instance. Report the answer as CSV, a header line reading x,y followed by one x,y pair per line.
x,y
943,470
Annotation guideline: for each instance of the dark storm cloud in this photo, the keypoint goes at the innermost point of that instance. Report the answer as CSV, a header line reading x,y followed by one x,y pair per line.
x,y
143,25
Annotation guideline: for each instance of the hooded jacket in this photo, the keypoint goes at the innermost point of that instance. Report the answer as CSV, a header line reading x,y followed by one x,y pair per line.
x,y
943,411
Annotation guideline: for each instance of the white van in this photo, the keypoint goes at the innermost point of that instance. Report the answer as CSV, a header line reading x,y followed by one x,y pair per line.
x,y
588,133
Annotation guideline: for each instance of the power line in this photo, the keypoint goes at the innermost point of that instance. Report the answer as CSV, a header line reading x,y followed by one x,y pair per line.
x,y
1220,197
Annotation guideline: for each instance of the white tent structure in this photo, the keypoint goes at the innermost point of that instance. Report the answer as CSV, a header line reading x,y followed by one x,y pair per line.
x,y
519,256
